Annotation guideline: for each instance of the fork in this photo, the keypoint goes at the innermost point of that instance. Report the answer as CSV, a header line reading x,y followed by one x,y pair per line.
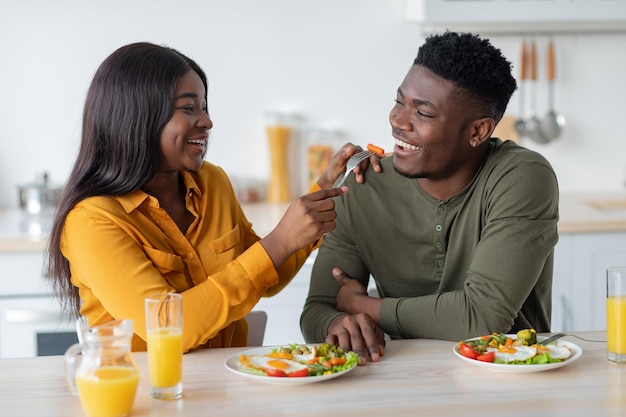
x,y
551,338
353,162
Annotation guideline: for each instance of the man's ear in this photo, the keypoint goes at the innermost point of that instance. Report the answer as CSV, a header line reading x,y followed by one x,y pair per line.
x,y
483,129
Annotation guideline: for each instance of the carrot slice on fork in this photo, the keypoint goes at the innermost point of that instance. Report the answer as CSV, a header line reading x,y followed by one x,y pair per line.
x,y
376,149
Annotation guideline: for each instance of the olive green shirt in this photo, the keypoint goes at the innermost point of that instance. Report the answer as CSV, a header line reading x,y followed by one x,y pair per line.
x,y
477,263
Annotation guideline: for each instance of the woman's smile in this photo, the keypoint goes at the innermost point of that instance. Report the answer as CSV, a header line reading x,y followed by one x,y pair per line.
x,y
199,145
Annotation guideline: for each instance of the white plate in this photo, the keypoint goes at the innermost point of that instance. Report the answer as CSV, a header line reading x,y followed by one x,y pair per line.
x,y
232,364
576,353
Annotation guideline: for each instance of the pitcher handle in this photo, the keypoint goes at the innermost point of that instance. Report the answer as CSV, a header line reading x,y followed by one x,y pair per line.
x,y
73,358
81,327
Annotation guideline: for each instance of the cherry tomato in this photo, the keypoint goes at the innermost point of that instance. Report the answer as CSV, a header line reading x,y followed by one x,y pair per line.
x,y
487,357
299,373
275,372
467,351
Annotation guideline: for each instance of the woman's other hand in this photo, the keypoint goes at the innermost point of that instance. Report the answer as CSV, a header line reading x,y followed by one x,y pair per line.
x,y
337,166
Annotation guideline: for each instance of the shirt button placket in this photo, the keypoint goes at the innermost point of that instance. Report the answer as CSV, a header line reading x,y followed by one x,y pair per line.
x,y
439,238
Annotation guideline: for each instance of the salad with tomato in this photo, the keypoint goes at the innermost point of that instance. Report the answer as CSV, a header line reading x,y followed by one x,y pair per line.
x,y
506,349
300,361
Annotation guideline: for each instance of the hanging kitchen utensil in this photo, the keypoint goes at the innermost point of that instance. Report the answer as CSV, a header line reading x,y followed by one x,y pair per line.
x,y
532,125
520,123
552,124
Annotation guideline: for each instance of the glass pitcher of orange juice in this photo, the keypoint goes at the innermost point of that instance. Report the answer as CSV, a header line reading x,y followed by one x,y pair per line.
x,y
101,370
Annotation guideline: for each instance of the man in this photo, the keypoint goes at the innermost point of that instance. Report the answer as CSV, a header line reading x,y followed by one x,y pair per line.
x,y
458,230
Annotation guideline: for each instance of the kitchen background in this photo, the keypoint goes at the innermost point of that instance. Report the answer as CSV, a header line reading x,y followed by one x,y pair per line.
x,y
334,63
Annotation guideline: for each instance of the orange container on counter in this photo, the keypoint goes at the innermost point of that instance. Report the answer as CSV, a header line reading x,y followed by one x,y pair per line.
x,y
278,136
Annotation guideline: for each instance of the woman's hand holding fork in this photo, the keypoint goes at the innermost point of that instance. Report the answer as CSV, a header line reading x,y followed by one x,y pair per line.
x,y
337,166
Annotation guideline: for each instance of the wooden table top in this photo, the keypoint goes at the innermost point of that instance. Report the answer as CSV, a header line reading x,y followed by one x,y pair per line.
x,y
415,377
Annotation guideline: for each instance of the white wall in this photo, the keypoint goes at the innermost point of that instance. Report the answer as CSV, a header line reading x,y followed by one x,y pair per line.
x,y
337,63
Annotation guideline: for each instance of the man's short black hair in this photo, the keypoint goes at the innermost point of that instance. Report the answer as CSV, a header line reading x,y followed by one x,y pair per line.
x,y
481,72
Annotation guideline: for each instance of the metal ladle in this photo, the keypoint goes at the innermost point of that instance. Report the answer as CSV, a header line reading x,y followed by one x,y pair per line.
x,y
552,124
520,123
533,124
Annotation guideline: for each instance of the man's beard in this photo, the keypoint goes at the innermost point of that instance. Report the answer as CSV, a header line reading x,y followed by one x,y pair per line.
x,y
405,175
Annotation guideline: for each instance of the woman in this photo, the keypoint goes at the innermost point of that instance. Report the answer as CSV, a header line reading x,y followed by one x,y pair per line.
x,y
143,213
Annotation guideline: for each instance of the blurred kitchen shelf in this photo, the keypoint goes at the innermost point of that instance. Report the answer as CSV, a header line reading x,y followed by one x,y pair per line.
x,y
518,17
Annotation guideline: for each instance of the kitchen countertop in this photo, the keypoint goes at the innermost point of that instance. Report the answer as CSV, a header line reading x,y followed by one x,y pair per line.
x,y
22,232
414,377
579,213
592,212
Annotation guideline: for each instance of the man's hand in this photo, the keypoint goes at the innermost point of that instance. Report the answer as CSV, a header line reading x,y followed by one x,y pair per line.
x,y
352,297
359,330
359,334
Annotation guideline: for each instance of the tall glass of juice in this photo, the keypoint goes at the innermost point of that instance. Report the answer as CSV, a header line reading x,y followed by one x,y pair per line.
x,y
616,314
164,326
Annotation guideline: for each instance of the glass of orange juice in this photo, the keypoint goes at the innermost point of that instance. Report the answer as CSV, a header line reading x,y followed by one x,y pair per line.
x,y
616,314
164,327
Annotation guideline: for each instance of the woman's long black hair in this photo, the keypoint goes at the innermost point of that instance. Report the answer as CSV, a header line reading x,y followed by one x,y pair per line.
x,y
128,103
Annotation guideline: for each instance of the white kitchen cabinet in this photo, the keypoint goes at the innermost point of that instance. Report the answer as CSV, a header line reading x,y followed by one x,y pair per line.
x,y
284,309
22,274
579,285
33,326
31,322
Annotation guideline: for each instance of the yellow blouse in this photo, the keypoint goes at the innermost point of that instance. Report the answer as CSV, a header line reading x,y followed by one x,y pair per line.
x,y
122,249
